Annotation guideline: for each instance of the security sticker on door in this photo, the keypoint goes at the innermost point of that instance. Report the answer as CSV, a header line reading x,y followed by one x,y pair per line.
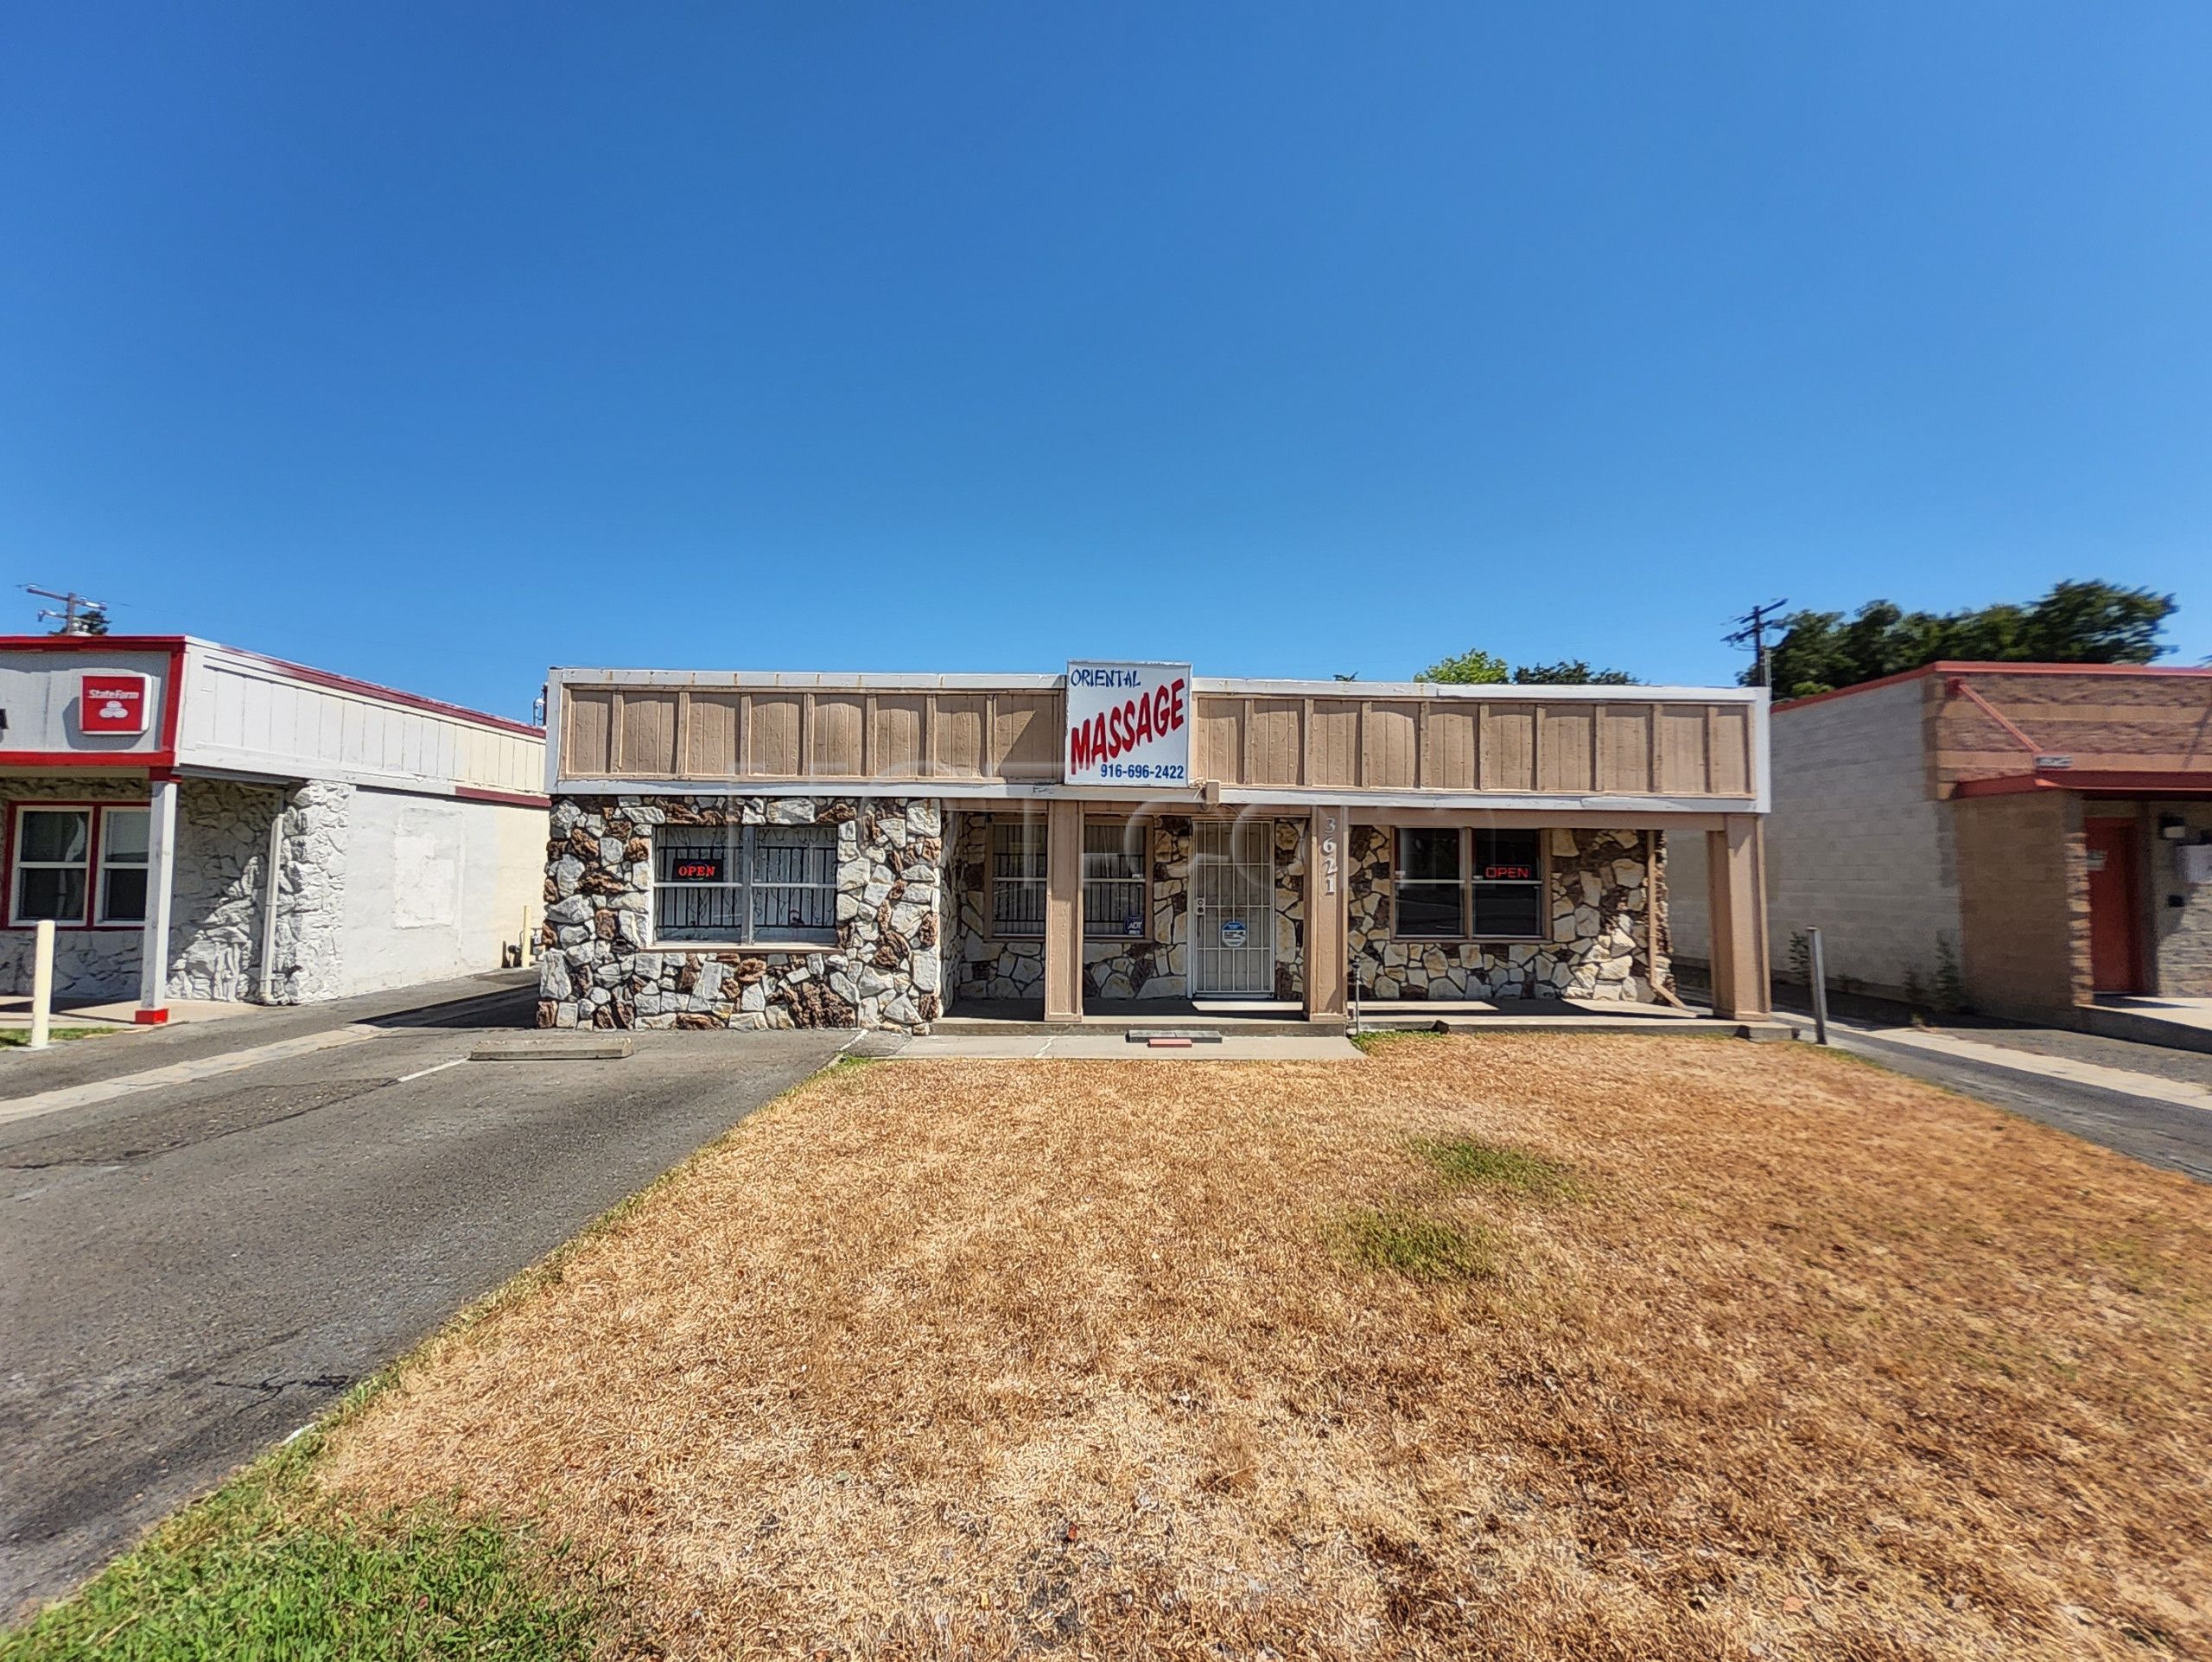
x,y
1232,932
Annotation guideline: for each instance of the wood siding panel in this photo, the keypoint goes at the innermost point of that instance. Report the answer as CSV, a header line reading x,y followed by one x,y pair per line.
x,y
1731,749
959,735
1682,750
1447,753
1332,755
586,729
1027,736
1507,747
645,747
710,741
1217,739
896,726
771,736
1623,747
1311,739
1390,746
1564,736
1277,742
840,726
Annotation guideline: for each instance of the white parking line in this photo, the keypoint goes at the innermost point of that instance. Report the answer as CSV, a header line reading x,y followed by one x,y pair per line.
x,y
425,1072
82,1096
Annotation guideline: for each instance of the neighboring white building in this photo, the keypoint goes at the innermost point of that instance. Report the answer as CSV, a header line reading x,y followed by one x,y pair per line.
x,y
201,822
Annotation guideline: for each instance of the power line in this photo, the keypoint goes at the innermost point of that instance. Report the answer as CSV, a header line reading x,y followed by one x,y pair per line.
x,y
1752,631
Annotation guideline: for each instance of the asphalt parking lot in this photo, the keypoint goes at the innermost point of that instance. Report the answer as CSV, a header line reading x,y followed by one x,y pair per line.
x,y
195,1270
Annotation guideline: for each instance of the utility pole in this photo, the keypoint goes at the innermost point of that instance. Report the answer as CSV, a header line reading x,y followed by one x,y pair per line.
x,y
77,614
1752,631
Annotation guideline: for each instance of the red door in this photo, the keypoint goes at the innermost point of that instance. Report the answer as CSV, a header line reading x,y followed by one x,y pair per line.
x,y
2115,909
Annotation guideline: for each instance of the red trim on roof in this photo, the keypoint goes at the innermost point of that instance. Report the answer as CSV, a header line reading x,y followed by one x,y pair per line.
x,y
2095,781
511,798
92,643
1953,667
70,762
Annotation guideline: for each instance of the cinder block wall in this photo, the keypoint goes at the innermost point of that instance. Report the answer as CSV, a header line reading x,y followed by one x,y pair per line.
x,y
1854,846
2025,903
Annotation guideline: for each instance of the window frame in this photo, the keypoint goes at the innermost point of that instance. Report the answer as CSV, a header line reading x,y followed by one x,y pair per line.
x,y
1141,880
103,865
1472,932
95,859
739,845
1041,882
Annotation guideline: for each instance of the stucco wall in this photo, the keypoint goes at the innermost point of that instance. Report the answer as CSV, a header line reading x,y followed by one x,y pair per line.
x,y
1855,846
2024,902
434,887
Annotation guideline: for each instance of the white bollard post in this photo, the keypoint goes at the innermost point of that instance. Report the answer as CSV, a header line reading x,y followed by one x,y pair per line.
x,y
42,985
1820,967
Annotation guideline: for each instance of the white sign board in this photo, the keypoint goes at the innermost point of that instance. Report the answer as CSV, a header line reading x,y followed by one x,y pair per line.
x,y
1128,724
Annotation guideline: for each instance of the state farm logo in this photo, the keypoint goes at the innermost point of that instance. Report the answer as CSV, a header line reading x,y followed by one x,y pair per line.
x,y
112,704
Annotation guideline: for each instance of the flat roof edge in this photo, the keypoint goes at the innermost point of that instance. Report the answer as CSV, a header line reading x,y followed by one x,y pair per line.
x,y
574,675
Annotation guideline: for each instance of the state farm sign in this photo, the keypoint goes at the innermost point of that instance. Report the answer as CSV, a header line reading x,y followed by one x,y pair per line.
x,y
1128,724
112,703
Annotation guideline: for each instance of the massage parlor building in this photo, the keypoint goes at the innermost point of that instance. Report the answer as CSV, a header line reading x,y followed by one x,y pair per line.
x,y
200,822
735,850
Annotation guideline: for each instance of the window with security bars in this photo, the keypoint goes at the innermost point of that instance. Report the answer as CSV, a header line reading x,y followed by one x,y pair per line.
x,y
745,885
1017,879
1113,883
1456,884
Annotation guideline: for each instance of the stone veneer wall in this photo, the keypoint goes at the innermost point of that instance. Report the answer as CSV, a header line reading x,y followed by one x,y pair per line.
x,y
311,893
1599,896
220,888
601,967
1155,968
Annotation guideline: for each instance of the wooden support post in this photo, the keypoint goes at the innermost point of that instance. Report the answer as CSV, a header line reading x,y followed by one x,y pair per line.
x,y
1736,877
1328,848
1064,912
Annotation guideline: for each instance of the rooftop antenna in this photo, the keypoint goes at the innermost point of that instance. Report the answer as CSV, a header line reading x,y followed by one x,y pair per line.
x,y
77,615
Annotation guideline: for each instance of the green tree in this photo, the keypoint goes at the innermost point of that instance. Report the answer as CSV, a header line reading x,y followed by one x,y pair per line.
x,y
2075,623
1571,672
1476,668
1472,668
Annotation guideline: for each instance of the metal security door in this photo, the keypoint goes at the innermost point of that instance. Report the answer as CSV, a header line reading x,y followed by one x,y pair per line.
x,y
1233,910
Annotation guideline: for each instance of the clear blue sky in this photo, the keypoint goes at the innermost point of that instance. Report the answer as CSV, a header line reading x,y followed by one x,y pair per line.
x,y
438,343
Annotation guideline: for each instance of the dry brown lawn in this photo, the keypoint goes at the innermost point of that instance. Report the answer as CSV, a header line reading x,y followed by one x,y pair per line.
x,y
979,1359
